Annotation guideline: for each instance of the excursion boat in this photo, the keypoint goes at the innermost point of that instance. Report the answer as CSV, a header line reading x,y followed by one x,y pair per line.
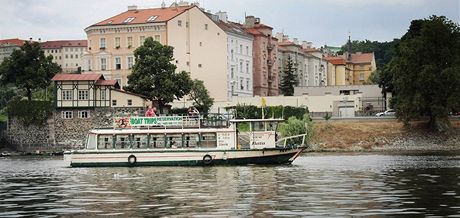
x,y
186,141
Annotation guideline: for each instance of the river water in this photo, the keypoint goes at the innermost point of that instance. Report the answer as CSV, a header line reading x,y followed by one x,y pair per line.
x,y
365,184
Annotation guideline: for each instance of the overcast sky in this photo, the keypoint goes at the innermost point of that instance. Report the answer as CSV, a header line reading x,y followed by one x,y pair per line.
x,y
319,21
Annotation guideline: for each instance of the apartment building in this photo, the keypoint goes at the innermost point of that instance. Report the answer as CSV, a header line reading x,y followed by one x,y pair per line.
x,y
199,43
265,66
7,46
239,57
66,53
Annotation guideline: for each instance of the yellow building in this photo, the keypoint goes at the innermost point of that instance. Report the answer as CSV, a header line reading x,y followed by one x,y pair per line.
x,y
350,69
200,46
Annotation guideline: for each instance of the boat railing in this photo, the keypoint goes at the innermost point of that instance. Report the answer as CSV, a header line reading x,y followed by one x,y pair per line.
x,y
296,140
168,122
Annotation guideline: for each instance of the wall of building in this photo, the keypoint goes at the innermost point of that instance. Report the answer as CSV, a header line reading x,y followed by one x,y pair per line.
x,y
6,50
239,65
92,58
122,99
201,49
70,59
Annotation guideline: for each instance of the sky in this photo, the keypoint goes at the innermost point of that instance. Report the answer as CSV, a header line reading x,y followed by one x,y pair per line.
x,y
318,21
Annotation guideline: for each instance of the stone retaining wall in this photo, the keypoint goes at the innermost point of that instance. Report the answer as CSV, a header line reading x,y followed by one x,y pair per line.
x,y
65,132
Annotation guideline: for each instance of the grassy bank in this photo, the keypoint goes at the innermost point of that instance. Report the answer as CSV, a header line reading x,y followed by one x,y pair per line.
x,y
382,135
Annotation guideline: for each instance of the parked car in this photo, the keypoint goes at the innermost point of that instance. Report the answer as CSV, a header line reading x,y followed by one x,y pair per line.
x,y
390,112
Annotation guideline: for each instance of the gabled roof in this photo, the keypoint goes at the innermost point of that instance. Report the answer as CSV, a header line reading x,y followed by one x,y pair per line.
x,y
362,58
231,27
142,16
130,93
16,41
106,82
253,31
311,50
63,43
77,77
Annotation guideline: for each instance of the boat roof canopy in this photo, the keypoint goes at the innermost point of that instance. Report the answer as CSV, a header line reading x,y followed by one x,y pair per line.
x,y
256,120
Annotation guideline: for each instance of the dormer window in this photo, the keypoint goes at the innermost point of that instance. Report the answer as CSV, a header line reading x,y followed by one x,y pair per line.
x,y
152,18
128,20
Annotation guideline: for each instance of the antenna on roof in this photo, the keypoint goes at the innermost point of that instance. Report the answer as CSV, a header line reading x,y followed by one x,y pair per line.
x,y
163,4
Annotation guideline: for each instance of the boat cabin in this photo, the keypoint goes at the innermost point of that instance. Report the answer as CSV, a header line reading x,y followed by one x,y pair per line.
x,y
182,132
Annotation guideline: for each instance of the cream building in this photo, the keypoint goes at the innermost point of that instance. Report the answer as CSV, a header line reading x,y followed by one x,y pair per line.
x,y
7,46
66,53
199,44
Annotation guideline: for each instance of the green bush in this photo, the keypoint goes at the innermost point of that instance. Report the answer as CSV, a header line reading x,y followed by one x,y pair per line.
x,y
254,112
30,112
296,126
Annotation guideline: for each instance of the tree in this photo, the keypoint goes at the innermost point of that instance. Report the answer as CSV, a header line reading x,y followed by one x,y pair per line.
x,y
154,74
425,72
289,79
28,68
200,96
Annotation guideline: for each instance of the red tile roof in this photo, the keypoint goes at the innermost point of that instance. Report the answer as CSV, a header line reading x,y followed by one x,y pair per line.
x,y
77,77
253,31
335,60
261,25
232,28
106,82
142,15
63,43
311,50
16,41
362,58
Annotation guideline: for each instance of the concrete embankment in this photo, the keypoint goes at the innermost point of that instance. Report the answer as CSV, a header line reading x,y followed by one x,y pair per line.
x,y
382,135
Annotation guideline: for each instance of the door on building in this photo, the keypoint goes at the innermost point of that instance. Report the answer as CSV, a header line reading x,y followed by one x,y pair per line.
x,y
346,111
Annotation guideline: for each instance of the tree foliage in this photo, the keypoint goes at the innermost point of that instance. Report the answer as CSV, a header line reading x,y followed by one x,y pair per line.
x,y
295,126
154,74
200,96
289,79
28,68
424,74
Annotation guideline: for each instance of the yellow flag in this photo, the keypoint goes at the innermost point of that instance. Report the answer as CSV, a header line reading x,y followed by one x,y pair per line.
x,y
263,102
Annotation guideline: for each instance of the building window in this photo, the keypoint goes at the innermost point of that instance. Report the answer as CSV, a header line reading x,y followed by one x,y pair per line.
x,y
130,42
188,63
152,18
114,102
206,26
89,65
247,50
201,43
186,24
241,49
67,115
117,42
157,38
361,76
83,114
247,66
103,64
66,56
241,66
247,85
130,62
76,56
231,53
128,20
102,94
118,63
232,72
102,43
199,65
71,56
179,23
67,95
82,94
71,49
130,102
241,84
141,40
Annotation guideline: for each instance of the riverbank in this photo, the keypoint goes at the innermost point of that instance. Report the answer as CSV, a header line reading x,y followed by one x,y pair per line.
x,y
382,135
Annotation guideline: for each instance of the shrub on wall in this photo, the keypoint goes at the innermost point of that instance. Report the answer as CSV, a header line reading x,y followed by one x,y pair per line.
x,y
30,112
254,112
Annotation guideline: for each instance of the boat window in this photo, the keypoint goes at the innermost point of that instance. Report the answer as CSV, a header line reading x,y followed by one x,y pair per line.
x,y
258,126
173,140
104,142
272,126
122,142
157,141
208,140
191,140
139,141
91,142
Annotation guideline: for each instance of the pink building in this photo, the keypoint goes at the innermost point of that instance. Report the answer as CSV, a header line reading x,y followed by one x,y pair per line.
x,y
265,67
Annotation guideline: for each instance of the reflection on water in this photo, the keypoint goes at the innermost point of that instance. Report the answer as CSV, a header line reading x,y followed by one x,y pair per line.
x,y
316,184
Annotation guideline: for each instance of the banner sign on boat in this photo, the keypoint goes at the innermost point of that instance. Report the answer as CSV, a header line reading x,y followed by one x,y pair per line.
x,y
127,122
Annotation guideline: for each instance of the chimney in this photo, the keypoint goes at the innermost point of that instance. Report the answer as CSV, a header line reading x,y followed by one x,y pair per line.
x,y
132,7
279,36
163,5
183,3
249,22
222,16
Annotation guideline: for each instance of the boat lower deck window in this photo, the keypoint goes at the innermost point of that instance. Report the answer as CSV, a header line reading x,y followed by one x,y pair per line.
x,y
258,126
174,140
191,140
104,142
140,141
122,142
157,141
208,140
